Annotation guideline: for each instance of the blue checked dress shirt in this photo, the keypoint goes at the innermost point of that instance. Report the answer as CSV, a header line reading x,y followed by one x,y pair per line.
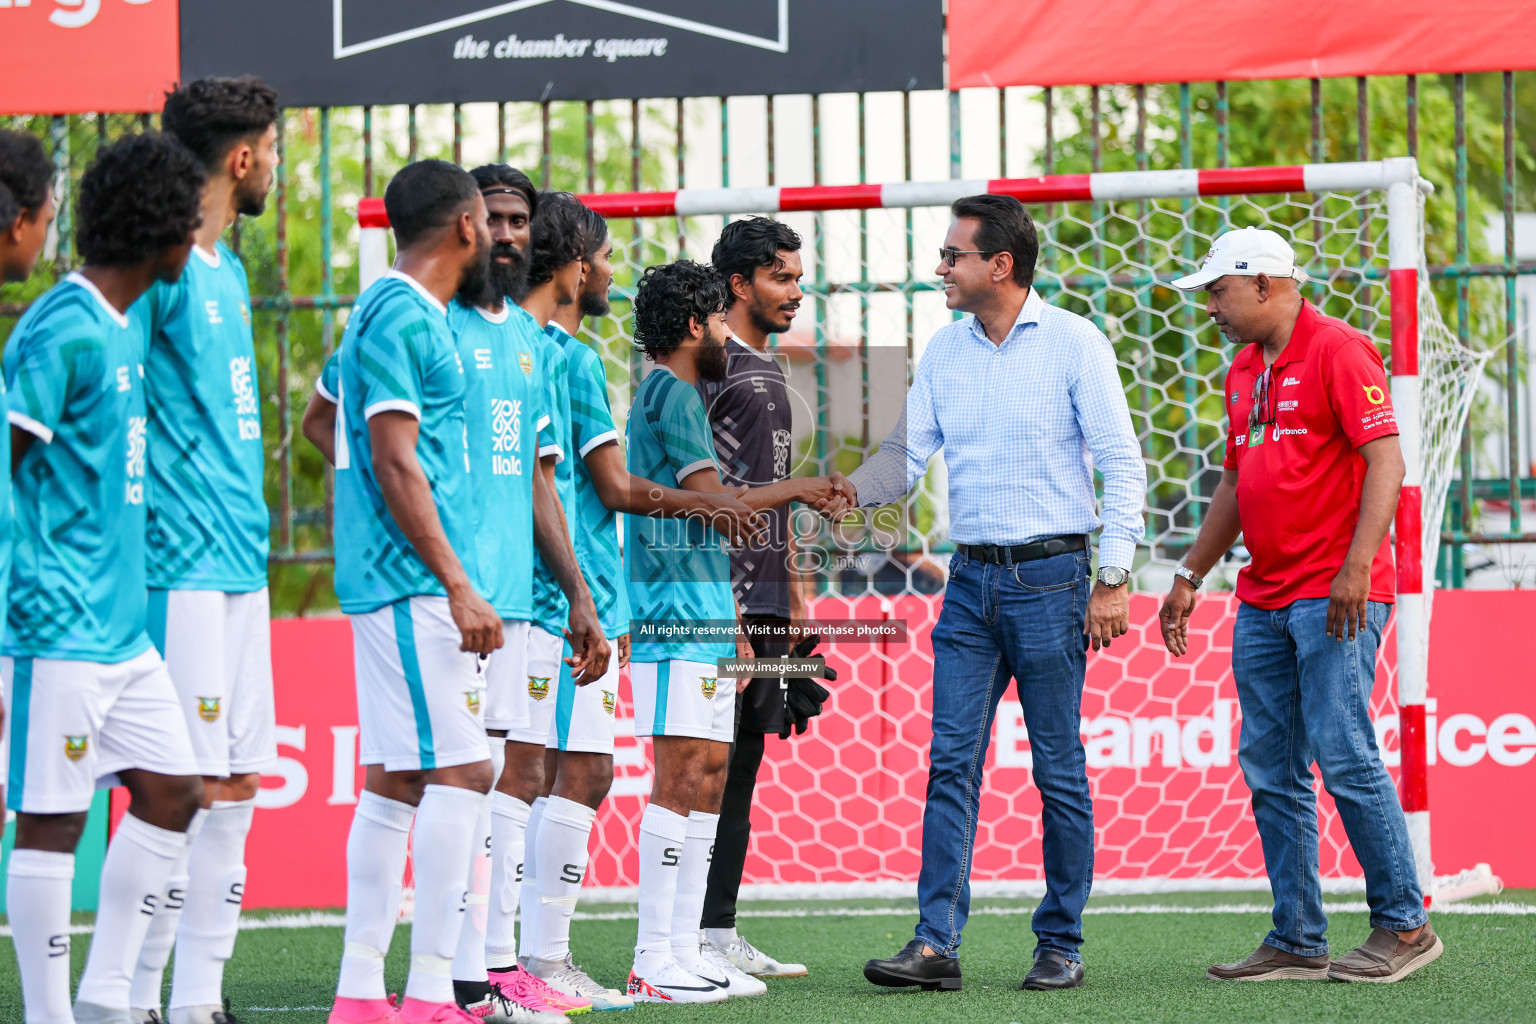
x,y
1022,425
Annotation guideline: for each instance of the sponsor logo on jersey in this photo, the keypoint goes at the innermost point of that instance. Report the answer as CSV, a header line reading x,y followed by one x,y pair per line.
x,y
136,448
124,381
780,454
245,398
472,701
610,700
245,314
208,708
1280,432
506,436
1235,397
538,687
75,747
1374,394
707,684
483,359
1289,381
212,305
526,362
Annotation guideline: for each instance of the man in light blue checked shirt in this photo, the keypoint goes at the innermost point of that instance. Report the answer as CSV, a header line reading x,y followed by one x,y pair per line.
x,y
1026,401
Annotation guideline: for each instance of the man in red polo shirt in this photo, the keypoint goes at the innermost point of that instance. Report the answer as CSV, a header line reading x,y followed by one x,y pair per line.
x,y
1311,478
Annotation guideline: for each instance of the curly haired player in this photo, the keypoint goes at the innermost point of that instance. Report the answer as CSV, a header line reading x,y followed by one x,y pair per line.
x,y
680,585
91,696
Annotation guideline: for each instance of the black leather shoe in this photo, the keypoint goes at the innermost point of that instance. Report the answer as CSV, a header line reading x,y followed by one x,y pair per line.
x,y
1052,970
911,967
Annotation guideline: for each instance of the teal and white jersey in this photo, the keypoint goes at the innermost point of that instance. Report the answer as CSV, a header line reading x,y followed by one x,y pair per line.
x,y
504,410
329,381
208,520
550,607
398,355
74,373
677,570
595,527
6,518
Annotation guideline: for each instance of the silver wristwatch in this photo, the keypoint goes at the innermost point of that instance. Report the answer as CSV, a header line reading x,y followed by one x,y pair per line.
x,y
1113,576
1189,574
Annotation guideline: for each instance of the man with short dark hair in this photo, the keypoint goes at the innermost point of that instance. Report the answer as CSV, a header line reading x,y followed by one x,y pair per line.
x,y
26,203
1026,401
406,573
679,580
26,210
207,540
1311,479
752,419
91,697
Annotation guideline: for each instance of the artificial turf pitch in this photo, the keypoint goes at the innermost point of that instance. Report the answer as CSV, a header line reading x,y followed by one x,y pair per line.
x,y
1142,967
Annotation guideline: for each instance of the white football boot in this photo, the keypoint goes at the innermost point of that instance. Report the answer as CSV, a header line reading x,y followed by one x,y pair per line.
x,y
565,976
748,959
669,983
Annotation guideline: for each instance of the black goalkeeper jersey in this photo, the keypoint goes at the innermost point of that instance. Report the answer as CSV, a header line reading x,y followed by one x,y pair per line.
x,y
751,417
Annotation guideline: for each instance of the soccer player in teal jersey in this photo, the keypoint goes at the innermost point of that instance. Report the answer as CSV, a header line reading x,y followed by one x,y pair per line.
x,y
583,727
679,579
90,697
499,344
26,210
406,574
207,541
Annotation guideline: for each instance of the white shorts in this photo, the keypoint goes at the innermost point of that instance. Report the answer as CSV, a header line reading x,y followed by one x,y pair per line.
x,y
75,724
683,698
418,696
584,714
506,675
218,648
546,652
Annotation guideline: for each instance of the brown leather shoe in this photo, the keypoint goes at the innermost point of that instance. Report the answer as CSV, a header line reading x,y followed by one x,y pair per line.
x,y
1270,964
1386,958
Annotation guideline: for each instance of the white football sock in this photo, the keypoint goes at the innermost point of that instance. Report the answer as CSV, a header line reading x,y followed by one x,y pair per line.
x,y
692,878
528,896
509,825
469,960
441,850
721,937
376,848
562,864
149,975
133,876
37,899
206,938
663,836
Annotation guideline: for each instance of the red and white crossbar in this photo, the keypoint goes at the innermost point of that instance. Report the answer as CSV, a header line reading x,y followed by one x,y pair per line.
x,y
1057,188
1398,177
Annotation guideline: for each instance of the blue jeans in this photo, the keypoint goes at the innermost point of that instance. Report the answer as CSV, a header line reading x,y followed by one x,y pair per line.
x,y
1306,698
1001,622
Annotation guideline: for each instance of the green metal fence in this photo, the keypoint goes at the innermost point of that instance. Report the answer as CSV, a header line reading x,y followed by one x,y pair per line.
x,y
1471,134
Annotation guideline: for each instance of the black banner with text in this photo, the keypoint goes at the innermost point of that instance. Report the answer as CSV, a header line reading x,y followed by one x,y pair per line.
x,y
357,52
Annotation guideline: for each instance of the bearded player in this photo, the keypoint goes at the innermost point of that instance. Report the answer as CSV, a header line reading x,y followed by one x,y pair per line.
x,y
679,579
207,540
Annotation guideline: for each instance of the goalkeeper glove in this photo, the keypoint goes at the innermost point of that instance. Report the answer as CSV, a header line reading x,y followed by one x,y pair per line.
x,y
803,695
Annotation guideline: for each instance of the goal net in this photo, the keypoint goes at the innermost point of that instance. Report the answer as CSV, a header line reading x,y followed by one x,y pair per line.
x,y
839,809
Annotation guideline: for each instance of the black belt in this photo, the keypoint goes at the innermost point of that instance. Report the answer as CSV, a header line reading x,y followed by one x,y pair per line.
x,y
1004,554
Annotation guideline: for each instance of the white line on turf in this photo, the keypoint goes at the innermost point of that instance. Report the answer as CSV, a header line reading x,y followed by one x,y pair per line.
x,y
331,919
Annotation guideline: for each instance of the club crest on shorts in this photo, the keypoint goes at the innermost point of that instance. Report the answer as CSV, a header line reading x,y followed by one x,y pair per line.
x,y
208,708
610,699
472,701
75,747
538,687
526,362
707,684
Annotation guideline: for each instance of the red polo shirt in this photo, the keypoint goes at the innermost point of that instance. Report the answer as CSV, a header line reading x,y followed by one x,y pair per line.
x,y
1299,479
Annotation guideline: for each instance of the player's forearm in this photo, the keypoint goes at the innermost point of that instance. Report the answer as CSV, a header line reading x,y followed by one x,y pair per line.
x,y
552,536
1219,529
408,496
1379,492
775,494
319,426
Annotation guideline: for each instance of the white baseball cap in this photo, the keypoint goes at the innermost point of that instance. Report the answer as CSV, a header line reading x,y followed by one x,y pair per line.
x,y
1244,252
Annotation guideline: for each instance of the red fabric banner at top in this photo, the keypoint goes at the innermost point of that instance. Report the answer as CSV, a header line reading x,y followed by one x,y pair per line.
x,y
77,56
1054,42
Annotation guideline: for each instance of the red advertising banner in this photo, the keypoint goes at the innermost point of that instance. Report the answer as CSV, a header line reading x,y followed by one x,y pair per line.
x,y
1049,42
77,56
844,802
